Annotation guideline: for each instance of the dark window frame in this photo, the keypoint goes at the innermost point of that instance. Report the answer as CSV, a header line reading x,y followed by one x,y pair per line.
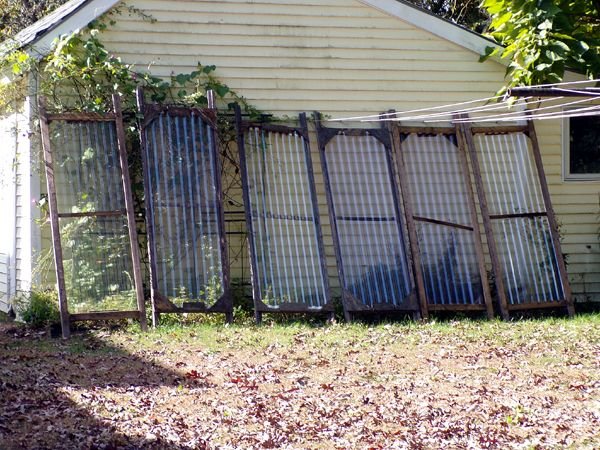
x,y
568,173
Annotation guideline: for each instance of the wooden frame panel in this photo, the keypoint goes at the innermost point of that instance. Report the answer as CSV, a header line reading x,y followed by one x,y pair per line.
x,y
188,254
286,277
438,291
55,214
527,217
391,288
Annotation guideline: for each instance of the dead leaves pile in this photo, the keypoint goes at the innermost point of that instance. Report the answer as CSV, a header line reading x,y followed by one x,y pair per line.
x,y
383,387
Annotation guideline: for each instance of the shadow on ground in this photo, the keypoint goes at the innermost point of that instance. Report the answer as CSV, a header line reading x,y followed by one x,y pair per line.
x,y
39,378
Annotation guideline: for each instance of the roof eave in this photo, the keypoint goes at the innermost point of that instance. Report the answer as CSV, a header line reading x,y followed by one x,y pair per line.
x,y
37,39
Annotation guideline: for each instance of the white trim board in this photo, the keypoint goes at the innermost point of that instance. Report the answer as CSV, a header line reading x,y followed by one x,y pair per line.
x,y
41,46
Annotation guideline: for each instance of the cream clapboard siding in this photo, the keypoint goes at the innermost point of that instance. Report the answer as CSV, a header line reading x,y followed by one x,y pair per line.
x,y
7,206
22,238
342,58
10,206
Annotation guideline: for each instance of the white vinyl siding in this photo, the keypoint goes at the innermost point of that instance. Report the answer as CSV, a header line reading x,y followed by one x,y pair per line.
x,y
8,189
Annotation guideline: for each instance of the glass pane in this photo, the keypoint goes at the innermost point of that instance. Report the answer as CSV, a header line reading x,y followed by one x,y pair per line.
x,y
181,170
285,232
509,173
86,167
371,243
528,260
435,175
97,264
449,263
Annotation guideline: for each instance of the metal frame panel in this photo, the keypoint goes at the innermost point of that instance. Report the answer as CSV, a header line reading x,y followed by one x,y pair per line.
x,y
289,271
442,220
370,281
189,270
87,133
519,221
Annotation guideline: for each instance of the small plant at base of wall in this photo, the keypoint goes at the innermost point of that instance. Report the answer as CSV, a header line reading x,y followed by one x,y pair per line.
x,y
39,308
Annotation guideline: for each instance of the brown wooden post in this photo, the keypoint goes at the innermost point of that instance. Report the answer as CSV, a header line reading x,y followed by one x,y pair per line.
x,y
462,155
256,289
551,218
315,208
467,133
54,223
322,144
141,104
130,210
410,222
217,170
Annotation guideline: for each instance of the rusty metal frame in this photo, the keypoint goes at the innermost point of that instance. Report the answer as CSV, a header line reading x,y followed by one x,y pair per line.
x,y
117,117
427,305
350,303
528,130
160,302
301,130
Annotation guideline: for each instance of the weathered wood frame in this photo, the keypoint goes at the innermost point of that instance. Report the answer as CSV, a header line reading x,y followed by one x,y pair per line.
x,y
117,117
160,303
426,305
469,132
302,130
350,303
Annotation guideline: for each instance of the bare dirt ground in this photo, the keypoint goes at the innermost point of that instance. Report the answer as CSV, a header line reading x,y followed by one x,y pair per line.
x,y
458,385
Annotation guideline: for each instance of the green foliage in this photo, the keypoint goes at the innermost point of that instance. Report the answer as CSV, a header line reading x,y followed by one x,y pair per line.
x,y
12,82
543,38
83,64
39,308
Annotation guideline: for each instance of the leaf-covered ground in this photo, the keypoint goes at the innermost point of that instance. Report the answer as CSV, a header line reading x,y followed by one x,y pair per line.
x,y
457,385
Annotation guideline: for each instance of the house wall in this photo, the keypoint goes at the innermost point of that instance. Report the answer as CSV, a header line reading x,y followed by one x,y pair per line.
x,y
7,206
343,58
16,185
20,243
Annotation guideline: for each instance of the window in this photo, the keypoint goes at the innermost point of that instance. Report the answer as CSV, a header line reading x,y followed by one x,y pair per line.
x,y
582,148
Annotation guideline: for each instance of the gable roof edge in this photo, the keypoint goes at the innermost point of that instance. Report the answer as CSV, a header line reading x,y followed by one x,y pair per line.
x,y
37,40
433,24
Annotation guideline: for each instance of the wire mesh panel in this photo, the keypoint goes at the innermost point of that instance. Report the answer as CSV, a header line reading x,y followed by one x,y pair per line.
x,y
91,208
282,217
446,232
528,255
184,211
363,204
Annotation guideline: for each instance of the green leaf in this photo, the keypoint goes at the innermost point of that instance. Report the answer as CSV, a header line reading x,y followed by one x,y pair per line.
x,y
552,56
221,90
489,51
560,47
